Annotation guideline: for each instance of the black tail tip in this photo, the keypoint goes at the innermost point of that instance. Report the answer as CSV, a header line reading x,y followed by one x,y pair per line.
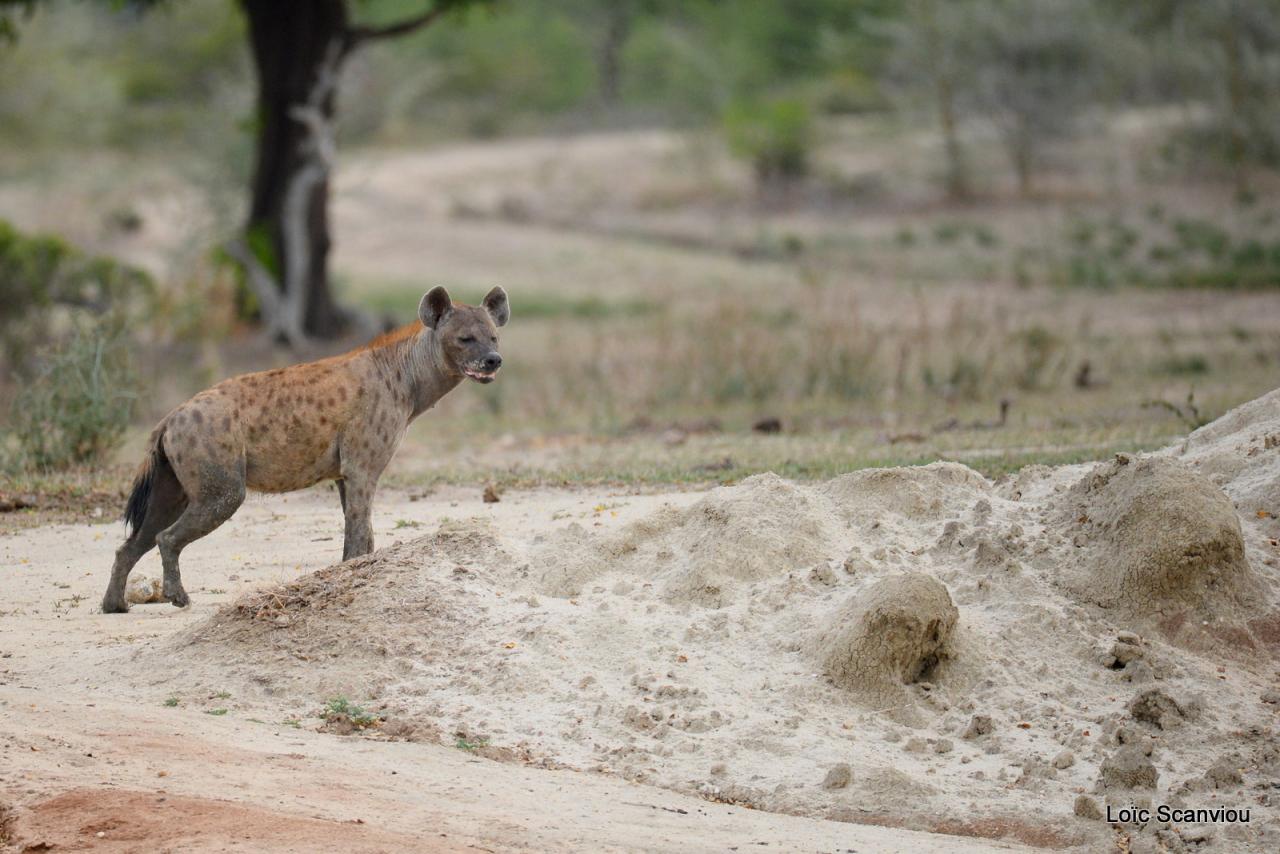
x,y
135,510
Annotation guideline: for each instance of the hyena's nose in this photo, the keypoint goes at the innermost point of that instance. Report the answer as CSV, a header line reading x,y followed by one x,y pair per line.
x,y
492,362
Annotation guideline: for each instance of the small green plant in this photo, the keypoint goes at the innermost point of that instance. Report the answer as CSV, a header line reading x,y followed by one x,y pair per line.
x,y
469,745
985,237
216,712
1193,364
293,723
222,695
342,709
947,232
407,523
170,703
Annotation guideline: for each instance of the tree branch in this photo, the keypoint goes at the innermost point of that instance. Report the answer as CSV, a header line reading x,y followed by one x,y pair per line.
x,y
357,35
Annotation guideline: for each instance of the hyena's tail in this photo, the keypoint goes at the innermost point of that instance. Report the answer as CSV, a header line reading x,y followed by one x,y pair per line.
x,y
155,465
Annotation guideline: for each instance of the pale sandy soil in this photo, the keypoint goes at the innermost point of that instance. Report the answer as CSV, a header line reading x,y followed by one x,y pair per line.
x,y
84,752
586,670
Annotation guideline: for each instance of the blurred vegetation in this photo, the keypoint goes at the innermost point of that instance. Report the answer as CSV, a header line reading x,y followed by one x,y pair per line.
x,y
77,406
763,70
954,142
45,283
66,336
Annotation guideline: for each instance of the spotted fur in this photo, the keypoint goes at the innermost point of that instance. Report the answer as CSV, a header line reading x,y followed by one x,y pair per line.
x,y
337,419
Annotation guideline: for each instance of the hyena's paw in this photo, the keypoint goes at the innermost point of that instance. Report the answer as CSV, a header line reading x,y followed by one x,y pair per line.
x,y
177,596
114,605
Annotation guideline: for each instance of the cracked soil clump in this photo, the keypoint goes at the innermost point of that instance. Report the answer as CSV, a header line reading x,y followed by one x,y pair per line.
x,y
894,633
1159,539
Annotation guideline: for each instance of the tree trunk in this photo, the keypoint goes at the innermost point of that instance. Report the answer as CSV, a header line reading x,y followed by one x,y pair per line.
x,y
957,177
957,173
617,27
1236,108
298,49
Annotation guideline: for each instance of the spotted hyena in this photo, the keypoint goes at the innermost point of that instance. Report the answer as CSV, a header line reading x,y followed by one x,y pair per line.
x,y
336,419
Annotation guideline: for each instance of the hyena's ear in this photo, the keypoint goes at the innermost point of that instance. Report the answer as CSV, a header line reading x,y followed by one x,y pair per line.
x,y
435,306
495,302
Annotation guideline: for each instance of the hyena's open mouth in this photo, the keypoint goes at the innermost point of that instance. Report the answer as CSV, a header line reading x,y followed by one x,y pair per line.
x,y
480,375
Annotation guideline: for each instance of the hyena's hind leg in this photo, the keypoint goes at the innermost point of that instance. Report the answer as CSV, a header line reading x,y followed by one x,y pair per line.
x,y
219,495
165,501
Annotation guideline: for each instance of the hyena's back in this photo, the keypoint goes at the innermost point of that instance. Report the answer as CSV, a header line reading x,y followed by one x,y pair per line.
x,y
280,429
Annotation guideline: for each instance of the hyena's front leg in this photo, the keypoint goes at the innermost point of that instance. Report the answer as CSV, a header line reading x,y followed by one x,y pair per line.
x,y
357,507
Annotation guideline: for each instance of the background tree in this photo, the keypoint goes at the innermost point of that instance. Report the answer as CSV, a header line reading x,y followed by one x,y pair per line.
x,y
930,61
299,50
1226,55
1036,68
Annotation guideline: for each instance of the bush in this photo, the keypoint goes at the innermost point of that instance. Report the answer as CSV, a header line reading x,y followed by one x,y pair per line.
x,y
777,137
80,401
41,275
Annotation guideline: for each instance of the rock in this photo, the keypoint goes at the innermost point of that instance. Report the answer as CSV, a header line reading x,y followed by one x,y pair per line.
x,y
1123,653
915,745
1154,706
1272,697
1138,673
943,745
856,564
979,725
822,575
491,495
838,777
142,590
1129,768
1223,774
1087,807
1064,760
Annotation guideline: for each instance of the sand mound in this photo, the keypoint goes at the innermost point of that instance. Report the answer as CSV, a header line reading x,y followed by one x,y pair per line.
x,y
742,643
762,528
350,628
916,492
893,633
1157,539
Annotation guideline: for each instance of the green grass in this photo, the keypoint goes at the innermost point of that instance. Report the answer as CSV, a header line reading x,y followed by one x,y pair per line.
x,y
649,462
339,708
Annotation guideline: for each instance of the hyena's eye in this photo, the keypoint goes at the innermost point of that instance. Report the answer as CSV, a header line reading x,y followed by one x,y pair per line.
x,y
467,339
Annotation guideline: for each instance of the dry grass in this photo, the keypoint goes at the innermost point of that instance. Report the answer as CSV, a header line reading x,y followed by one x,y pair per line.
x,y
659,311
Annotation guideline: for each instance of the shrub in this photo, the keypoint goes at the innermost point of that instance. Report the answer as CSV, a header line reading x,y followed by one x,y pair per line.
x,y
42,274
776,136
77,406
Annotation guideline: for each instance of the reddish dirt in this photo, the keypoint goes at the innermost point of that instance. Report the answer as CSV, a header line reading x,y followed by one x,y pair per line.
x,y
120,820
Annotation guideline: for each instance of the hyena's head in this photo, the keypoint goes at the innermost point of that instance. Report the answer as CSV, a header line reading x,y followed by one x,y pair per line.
x,y
467,335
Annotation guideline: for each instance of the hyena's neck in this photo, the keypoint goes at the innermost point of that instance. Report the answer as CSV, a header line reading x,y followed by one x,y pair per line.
x,y
415,373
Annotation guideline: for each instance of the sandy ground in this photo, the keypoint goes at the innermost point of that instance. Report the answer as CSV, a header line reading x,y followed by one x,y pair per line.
x,y
91,760
771,663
